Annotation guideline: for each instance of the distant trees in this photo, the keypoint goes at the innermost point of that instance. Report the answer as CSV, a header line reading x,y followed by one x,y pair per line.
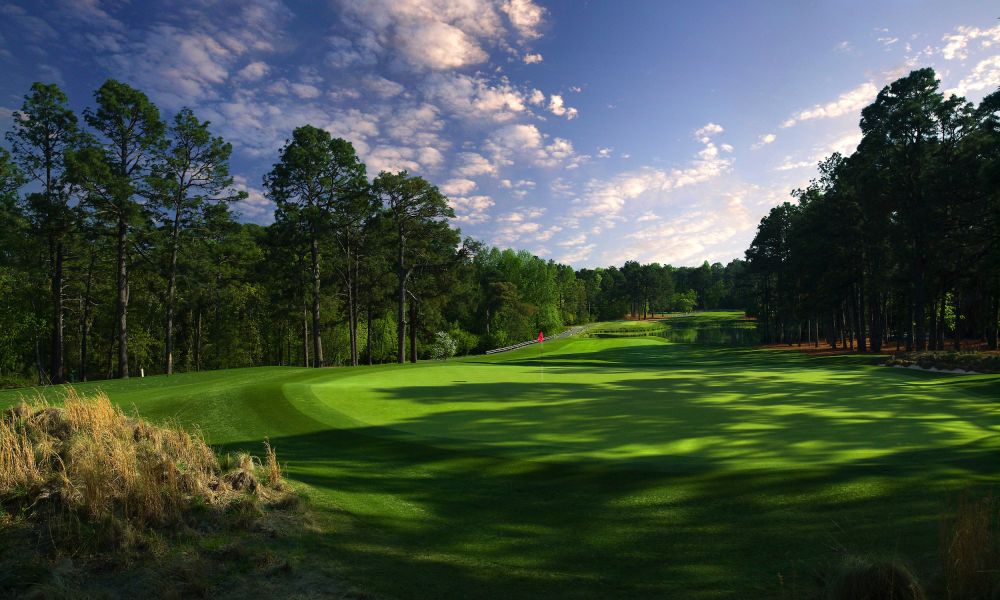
x,y
45,129
114,172
191,171
124,251
416,216
896,241
317,183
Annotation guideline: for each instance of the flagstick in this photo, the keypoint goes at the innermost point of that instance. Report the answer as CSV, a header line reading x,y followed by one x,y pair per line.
x,y
541,362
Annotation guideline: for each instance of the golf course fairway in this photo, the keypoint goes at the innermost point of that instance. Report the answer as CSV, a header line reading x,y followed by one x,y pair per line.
x,y
603,468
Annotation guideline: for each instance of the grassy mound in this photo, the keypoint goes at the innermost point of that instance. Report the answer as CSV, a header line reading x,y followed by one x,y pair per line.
x,y
86,483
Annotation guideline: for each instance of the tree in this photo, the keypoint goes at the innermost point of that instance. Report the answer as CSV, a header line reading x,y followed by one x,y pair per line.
x,y
44,130
416,213
192,171
113,173
315,174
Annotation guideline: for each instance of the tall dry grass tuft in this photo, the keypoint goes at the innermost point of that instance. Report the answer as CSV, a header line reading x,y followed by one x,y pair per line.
x,y
970,548
273,468
90,461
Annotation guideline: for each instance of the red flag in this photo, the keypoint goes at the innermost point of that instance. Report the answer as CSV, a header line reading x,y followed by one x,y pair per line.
x,y
541,337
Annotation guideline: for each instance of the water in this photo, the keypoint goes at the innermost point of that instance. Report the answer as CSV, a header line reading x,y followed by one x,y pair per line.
x,y
705,334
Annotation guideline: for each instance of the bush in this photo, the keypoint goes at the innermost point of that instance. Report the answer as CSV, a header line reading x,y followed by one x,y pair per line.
x,y
444,346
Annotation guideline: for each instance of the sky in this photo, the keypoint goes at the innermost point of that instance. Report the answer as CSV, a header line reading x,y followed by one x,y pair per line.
x,y
589,132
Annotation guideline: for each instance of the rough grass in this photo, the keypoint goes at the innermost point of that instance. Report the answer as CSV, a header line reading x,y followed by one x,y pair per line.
x,y
609,468
99,486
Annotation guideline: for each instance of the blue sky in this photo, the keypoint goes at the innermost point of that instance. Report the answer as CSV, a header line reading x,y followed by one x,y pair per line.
x,y
584,131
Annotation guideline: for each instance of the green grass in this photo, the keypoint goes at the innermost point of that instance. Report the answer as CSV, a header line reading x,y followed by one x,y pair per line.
x,y
630,467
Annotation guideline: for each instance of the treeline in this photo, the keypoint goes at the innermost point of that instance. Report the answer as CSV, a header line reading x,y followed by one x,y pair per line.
x,y
120,253
898,242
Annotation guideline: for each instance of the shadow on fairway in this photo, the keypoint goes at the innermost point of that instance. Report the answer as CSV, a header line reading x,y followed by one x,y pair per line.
x,y
459,504
434,523
745,410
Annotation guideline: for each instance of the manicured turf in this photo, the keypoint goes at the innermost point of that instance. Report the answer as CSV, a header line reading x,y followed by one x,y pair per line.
x,y
629,467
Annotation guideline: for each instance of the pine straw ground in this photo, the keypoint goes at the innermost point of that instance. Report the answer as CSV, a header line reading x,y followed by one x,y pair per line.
x,y
95,503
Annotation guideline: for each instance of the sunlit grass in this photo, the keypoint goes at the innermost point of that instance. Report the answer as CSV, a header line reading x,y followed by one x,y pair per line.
x,y
605,467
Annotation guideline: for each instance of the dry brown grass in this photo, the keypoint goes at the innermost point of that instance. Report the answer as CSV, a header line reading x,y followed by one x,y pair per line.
x,y
89,459
970,548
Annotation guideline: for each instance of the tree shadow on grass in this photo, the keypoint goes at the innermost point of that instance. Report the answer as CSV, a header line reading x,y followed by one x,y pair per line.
x,y
428,522
472,503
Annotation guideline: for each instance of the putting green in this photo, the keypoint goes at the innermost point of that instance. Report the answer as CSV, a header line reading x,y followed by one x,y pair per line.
x,y
631,467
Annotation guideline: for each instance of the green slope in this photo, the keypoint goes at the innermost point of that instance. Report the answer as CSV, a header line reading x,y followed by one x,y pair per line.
x,y
628,467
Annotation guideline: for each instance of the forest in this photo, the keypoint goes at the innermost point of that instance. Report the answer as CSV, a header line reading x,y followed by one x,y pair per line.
x,y
898,242
122,254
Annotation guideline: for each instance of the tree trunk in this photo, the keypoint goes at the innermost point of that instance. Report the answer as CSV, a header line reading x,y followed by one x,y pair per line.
x,y
957,343
57,371
368,334
413,331
122,305
168,340
85,318
401,273
305,335
317,341
197,341
352,311
919,315
941,323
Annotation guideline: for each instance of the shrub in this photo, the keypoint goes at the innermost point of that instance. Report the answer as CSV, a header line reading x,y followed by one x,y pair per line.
x,y
868,579
444,346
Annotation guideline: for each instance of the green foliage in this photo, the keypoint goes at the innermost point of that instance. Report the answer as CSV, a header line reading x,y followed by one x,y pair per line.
x,y
895,242
444,346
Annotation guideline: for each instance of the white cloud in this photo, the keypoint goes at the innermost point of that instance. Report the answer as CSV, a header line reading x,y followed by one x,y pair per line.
x,y
607,197
707,132
984,76
604,152
438,45
530,59
256,207
577,240
706,231
767,138
253,71
849,102
525,144
471,164
525,15
383,87
557,107
474,98
441,34
957,46
578,255
845,145
471,209
457,187
304,91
